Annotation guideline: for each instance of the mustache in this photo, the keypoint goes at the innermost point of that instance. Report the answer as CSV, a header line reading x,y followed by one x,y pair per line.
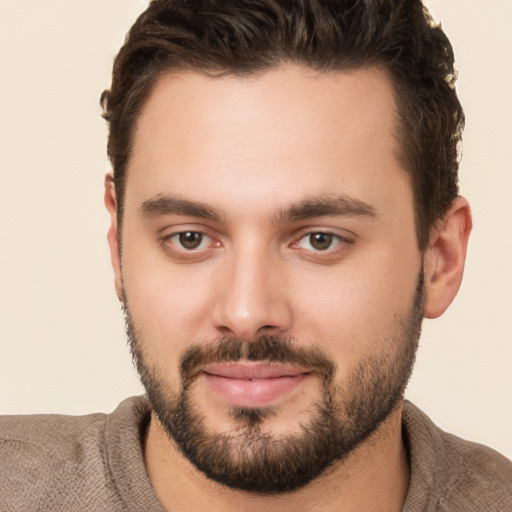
x,y
267,348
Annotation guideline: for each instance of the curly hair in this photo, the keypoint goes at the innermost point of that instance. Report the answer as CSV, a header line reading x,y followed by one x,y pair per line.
x,y
240,37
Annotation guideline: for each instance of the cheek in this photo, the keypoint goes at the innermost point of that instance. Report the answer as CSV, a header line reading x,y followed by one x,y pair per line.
x,y
348,312
168,303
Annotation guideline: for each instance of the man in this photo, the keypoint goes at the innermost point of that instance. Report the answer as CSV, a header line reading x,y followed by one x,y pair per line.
x,y
284,212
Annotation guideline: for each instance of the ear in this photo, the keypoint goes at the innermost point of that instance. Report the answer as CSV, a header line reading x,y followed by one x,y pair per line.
x,y
445,258
113,233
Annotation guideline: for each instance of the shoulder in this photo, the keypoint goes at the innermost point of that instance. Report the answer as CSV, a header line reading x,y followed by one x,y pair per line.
x,y
36,441
57,462
453,473
53,433
479,473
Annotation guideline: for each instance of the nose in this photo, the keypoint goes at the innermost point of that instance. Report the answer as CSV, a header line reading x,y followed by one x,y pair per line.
x,y
251,298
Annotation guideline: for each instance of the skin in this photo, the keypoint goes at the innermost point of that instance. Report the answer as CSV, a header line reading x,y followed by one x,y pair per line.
x,y
250,148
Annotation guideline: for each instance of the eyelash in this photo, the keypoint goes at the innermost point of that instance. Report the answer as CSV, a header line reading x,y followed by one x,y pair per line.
x,y
334,239
173,247
182,253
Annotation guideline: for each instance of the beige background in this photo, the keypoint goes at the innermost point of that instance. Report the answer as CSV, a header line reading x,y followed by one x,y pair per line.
x,y
62,343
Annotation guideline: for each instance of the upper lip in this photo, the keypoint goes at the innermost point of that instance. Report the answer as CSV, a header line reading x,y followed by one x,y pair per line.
x,y
250,370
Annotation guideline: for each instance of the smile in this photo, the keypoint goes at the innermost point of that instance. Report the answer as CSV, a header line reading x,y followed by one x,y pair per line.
x,y
253,385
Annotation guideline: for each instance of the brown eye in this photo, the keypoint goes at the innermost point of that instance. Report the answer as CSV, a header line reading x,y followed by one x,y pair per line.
x,y
320,241
190,239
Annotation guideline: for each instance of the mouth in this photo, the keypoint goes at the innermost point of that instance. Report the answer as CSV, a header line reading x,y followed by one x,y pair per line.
x,y
253,385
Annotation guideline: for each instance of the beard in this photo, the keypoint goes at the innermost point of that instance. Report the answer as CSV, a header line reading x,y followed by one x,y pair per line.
x,y
250,457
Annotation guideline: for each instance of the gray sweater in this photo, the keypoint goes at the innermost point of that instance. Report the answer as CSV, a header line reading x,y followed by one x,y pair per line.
x,y
95,463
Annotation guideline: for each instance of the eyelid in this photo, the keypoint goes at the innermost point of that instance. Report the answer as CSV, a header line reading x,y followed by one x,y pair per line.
x,y
333,235
181,253
186,227
204,240
342,234
344,241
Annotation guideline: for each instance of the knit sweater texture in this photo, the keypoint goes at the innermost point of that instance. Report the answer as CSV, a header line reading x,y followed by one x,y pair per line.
x,y
95,463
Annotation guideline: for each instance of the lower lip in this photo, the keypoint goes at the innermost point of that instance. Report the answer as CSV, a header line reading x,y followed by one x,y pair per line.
x,y
253,393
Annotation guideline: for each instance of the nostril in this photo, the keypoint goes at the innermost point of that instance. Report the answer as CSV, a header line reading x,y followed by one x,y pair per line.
x,y
225,331
266,329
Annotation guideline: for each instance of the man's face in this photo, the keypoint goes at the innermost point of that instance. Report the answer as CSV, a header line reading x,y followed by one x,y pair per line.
x,y
270,268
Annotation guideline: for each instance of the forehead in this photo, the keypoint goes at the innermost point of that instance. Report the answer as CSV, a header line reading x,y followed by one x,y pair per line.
x,y
264,137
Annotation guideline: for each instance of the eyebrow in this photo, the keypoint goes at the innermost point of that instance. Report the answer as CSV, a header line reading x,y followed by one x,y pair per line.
x,y
309,208
174,205
325,207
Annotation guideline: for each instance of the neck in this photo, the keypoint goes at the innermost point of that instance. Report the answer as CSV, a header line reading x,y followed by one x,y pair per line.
x,y
375,476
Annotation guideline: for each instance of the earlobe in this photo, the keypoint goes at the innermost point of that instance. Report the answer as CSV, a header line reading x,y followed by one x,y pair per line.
x,y
113,233
445,258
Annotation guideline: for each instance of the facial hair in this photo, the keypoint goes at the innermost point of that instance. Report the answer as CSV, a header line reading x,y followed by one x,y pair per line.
x,y
248,457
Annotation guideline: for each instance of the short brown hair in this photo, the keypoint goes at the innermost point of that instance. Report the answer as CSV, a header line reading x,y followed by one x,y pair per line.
x,y
246,36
